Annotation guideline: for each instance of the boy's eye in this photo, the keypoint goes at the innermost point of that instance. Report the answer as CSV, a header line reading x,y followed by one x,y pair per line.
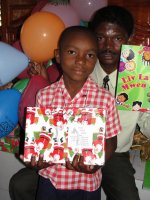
x,y
91,55
71,52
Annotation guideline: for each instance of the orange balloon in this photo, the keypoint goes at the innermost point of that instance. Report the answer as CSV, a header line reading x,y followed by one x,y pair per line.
x,y
40,34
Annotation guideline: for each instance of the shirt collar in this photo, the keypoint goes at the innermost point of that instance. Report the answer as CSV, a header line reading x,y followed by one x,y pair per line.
x,y
112,77
89,85
98,74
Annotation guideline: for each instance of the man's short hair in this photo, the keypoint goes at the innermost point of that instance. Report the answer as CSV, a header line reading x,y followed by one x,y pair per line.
x,y
113,14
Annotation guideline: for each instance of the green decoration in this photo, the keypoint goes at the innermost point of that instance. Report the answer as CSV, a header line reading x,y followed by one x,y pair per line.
x,y
146,182
21,85
58,2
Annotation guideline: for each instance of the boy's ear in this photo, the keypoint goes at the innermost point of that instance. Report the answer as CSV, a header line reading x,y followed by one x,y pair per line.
x,y
57,55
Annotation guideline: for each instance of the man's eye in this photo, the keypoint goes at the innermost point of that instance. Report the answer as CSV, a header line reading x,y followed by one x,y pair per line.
x,y
99,38
119,38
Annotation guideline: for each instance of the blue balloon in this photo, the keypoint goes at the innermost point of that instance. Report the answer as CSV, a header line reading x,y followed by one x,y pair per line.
x,y
12,63
9,103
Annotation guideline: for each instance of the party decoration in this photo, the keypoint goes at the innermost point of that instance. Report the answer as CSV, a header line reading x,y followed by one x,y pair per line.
x,y
39,35
66,13
21,85
58,2
9,99
39,5
12,63
86,8
84,23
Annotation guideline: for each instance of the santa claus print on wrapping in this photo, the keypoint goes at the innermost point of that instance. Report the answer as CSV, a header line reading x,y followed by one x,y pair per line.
x,y
58,133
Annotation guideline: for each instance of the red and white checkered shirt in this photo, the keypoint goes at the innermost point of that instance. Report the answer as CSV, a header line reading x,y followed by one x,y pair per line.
x,y
91,95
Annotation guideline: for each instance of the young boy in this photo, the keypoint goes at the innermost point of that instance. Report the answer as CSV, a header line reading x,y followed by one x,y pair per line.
x,y
77,55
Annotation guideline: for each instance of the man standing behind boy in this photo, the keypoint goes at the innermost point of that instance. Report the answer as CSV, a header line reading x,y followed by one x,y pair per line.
x,y
113,26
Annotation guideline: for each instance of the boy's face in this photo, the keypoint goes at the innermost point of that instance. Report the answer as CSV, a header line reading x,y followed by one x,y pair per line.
x,y
130,66
110,38
77,56
125,53
136,107
121,98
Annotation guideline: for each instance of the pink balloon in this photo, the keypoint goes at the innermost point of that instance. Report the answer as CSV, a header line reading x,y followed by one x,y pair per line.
x,y
86,8
67,14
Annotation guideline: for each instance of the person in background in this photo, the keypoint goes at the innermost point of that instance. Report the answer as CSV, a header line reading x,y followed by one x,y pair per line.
x,y
23,184
113,26
77,55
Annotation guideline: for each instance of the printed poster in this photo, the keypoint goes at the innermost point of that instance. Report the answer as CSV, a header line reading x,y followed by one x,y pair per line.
x,y
134,79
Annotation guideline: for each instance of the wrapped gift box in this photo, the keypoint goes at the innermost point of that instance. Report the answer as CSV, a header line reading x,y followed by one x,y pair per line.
x,y
61,133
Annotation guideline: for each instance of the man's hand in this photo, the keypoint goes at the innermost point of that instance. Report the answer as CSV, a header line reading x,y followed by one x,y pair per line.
x,y
79,166
35,68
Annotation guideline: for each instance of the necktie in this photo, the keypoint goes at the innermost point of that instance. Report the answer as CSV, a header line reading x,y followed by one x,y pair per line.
x,y
105,82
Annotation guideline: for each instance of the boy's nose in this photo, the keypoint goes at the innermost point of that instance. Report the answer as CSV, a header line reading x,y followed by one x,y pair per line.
x,y
80,59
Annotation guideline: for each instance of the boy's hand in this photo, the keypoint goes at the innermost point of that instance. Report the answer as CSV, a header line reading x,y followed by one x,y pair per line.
x,y
78,165
37,165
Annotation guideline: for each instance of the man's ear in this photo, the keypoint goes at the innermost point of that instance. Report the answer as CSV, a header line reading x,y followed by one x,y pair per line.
x,y
57,55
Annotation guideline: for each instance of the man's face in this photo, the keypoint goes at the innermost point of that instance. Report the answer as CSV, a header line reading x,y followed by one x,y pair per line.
x,y
110,38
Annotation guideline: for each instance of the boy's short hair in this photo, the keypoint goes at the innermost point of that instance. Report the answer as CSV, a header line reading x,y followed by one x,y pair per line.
x,y
124,94
131,55
137,102
80,29
113,14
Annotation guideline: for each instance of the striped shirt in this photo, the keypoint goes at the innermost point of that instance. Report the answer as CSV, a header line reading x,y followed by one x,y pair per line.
x,y
91,95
